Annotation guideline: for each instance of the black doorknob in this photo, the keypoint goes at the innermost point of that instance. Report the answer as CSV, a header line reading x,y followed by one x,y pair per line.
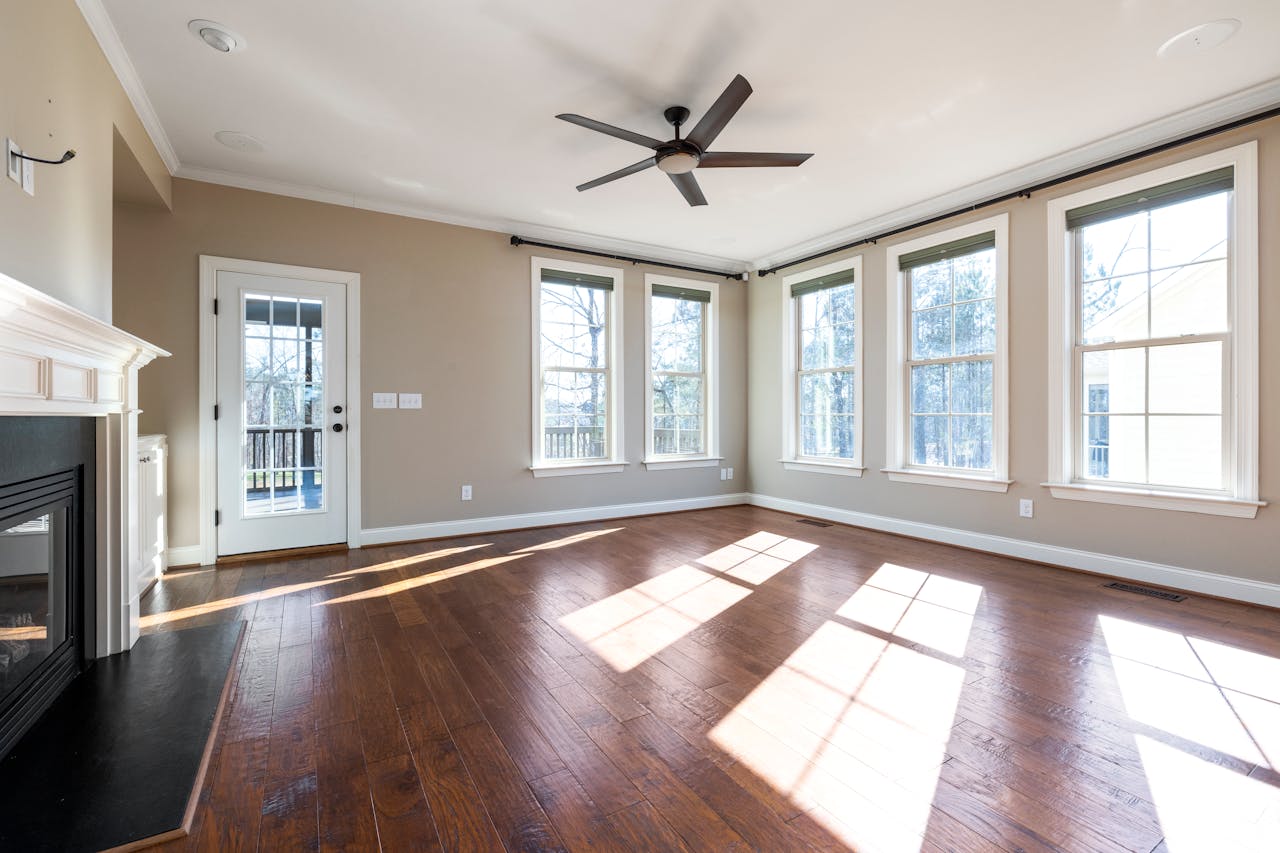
x,y
337,427
337,410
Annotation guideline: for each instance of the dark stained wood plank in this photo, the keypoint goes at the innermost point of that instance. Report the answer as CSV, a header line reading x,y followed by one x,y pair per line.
x,y
343,791
579,821
515,811
399,806
458,808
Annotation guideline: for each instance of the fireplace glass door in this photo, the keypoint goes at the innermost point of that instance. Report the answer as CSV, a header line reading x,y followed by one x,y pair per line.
x,y
34,598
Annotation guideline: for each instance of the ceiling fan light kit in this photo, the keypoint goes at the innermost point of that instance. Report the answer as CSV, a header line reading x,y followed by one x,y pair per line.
x,y
679,157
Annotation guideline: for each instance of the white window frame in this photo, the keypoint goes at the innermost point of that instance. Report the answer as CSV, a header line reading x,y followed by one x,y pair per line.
x,y
899,468
615,461
1240,451
710,457
792,459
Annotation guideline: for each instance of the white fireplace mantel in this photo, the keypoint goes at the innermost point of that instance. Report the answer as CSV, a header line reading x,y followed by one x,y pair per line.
x,y
57,360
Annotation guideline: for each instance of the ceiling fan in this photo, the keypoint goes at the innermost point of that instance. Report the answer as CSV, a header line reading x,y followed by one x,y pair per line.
x,y
679,157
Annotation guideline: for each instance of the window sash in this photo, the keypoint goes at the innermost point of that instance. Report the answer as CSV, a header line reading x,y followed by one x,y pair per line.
x,y
839,279
1178,191
907,264
660,291
593,282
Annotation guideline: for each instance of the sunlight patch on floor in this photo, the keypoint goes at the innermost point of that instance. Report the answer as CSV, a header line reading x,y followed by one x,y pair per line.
x,y
631,626
854,727
195,610
570,540
1175,684
404,562
1203,806
422,580
917,606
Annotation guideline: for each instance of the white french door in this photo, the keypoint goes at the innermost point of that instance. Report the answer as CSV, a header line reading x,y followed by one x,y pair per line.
x,y
282,412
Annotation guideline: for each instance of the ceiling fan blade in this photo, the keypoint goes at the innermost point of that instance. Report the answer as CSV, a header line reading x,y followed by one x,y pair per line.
x,y
621,173
724,159
689,188
725,107
618,132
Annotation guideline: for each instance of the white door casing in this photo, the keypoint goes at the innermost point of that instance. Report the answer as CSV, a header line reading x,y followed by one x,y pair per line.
x,y
277,357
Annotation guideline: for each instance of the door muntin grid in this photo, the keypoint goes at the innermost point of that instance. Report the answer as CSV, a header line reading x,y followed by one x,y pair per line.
x,y
282,418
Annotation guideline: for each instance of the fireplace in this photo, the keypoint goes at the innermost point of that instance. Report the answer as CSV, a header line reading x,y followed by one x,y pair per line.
x,y
46,554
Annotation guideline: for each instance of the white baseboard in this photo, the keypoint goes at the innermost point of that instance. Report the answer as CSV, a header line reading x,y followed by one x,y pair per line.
x,y
1175,577
489,524
183,555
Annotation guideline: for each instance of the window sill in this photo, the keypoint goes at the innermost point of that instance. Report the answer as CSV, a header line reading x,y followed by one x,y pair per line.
x,y
575,468
660,463
840,469
1154,499
953,481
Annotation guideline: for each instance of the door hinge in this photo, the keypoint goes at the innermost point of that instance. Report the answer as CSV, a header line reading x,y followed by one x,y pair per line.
x,y
217,517
215,306
215,411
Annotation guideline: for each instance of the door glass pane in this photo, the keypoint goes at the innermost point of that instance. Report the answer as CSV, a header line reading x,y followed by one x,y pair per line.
x,y
283,417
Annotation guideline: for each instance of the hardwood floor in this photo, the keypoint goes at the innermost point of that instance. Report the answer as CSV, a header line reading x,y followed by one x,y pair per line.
x,y
727,679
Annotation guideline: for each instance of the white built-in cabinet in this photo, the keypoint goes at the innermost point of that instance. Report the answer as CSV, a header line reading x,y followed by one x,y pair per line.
x,y
153,451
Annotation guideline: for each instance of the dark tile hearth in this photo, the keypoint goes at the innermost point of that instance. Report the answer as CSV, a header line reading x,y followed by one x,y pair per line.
x,y
115,759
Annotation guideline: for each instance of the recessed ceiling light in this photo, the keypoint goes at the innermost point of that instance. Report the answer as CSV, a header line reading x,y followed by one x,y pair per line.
x,y
1199,39
242,142
216,36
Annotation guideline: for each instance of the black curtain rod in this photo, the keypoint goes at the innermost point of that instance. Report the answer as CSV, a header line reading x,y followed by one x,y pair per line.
x,y
520,241
1026,193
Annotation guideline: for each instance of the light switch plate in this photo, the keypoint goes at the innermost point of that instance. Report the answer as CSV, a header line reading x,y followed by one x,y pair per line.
x,y
411,401
13,164
1026,508
384,400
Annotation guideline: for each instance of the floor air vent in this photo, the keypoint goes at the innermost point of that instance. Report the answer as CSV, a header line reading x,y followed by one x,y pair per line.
x,y
1146,590
813,522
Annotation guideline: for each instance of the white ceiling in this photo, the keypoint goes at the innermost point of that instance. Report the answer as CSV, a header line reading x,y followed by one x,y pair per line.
x,y
446,109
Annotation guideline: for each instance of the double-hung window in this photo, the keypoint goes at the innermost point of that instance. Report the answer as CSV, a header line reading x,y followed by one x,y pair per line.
x,y
823,383
1160,315
948,411
577,388
681,373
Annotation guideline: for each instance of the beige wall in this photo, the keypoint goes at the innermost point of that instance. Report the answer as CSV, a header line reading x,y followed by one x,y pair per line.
x,y
1243,548
58,92
444,311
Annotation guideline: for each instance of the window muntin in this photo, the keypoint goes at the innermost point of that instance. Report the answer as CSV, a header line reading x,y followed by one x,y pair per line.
x,y
679,331
826,373
575,366
1152,345
950,366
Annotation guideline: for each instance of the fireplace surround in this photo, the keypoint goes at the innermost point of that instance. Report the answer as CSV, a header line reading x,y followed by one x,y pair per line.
x,y
69,431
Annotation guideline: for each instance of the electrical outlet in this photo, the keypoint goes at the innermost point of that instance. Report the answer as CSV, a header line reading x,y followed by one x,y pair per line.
x,y
730,474
466,493
724,473
411,401
384,400
13,163
1026,508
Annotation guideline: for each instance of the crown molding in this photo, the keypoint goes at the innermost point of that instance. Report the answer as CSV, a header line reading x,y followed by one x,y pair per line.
x,y
95,15
528,230
1203,117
